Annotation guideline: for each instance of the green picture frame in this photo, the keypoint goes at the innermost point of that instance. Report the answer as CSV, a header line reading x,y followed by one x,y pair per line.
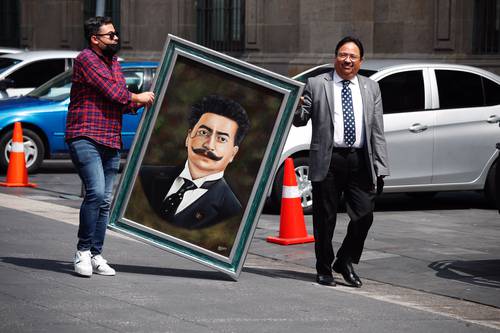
x,y
192,77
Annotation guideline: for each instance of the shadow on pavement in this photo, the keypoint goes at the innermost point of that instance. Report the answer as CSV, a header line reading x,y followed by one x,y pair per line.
x,y
43,264
281,273
288,274
67,267
484,273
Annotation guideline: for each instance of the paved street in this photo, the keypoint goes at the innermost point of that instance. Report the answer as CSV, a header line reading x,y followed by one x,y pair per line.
x,y
429,266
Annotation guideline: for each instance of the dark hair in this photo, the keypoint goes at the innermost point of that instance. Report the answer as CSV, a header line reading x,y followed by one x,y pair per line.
x,y
350,39
224,107
93,24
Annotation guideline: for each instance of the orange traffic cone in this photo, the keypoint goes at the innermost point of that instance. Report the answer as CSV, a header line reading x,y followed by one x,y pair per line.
x,y
17,174
292,224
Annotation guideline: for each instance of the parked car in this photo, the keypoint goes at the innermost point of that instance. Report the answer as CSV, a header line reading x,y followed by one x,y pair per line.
x,y
441,125
43,111
24,71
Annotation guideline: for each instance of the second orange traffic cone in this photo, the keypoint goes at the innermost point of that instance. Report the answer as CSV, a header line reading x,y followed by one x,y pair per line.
x,y
17,174
292,224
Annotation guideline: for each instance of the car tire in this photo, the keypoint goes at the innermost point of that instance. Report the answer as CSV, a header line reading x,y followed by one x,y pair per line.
x,y
34,149
301,165
490,188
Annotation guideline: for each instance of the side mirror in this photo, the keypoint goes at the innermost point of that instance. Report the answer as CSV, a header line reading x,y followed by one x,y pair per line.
x,y
6,84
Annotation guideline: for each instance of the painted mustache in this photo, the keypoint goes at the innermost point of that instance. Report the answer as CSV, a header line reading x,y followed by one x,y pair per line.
x,y
207,153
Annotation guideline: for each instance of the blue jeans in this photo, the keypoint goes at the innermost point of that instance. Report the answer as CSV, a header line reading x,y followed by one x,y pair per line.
x,y
97,166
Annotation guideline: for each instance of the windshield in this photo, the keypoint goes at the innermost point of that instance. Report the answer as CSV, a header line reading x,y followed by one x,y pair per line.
x,y
57,89
6,63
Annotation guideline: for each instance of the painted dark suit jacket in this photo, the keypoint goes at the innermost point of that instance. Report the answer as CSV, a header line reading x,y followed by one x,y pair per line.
x,y
216,205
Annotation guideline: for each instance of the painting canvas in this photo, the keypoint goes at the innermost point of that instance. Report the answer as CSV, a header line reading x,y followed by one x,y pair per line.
x,y
204,155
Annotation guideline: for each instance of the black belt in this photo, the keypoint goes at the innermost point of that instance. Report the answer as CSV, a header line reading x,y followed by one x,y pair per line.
x,y
346,150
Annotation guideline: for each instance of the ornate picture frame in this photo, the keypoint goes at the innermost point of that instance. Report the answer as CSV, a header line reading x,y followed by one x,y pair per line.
x,y
205,101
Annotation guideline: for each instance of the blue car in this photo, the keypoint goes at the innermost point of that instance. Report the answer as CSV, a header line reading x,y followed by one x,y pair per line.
x,y
42,113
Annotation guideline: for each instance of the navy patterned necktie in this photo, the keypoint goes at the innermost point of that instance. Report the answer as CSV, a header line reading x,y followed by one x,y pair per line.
x,y
348,113
172,202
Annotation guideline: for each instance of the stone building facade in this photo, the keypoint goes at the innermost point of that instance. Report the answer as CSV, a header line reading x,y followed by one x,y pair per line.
x,y
286,36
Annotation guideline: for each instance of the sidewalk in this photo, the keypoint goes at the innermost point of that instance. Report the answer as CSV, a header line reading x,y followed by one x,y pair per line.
x,y
411,258
454,253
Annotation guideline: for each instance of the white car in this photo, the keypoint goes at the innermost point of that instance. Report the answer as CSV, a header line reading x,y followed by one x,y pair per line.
x,y
10,50
22,72
441,125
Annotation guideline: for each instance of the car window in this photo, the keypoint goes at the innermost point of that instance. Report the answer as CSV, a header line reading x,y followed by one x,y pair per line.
x,y
149,82
134,79
366,72
403,92
491,91
459,89
37,73
6,63
57,89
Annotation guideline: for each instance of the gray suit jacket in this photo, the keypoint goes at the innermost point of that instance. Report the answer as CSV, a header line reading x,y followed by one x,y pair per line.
x,y
318,106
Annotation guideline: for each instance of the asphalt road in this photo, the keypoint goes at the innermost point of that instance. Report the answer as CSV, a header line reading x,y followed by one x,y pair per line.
x,y
429,266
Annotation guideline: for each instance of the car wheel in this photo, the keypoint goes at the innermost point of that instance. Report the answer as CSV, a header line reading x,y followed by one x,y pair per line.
x,y
34,149
304,185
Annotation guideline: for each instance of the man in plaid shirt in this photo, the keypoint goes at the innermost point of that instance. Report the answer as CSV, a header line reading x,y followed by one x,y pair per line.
x,y
99,98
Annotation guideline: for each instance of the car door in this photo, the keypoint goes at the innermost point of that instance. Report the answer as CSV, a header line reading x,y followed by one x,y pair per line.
x,y
409,126
466,126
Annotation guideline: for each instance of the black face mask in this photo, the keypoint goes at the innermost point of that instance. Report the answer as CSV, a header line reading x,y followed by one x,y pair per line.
x,y
109,50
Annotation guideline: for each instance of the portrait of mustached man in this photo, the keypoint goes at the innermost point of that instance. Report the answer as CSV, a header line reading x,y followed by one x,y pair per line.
x,y
195,195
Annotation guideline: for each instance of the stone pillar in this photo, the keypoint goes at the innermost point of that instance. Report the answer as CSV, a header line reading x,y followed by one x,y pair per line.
x,y
444,25
253,25
27,12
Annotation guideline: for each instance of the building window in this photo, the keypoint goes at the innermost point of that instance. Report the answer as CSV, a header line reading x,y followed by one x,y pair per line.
x,y
220,24
111,9
486,36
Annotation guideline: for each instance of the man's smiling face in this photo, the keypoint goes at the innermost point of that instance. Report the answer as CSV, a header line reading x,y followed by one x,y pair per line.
x,y
348,61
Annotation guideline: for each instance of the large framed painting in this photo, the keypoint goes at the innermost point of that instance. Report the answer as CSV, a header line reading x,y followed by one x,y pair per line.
x,y
204,155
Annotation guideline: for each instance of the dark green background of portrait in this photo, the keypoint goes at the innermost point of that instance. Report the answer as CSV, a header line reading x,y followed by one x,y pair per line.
x,y
190,81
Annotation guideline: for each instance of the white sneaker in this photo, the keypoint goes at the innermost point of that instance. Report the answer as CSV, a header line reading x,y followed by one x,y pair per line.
x,y
83,266
100,266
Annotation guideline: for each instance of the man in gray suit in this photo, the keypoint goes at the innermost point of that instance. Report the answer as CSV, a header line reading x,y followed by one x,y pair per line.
x,y
348,155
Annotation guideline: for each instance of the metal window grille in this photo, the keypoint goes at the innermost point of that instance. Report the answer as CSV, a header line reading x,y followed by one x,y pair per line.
x,y
486,37
220,24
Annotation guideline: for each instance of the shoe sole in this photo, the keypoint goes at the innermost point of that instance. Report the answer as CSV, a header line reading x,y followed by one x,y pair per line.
x,y
84,274
105,274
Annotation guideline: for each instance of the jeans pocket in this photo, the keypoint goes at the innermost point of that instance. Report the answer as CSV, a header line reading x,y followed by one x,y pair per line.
x,y
83,152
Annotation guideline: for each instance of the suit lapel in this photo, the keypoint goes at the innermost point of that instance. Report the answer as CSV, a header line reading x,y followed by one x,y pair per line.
x,y
328,84
364,100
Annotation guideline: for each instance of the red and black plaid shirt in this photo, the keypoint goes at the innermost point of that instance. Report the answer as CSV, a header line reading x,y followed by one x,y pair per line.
x,y
99,98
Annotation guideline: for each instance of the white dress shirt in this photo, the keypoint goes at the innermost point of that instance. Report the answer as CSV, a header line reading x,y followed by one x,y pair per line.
x,y
191,195
338,117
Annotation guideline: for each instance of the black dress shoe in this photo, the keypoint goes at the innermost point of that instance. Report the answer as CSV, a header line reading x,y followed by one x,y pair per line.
x,y
345,268
326,280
